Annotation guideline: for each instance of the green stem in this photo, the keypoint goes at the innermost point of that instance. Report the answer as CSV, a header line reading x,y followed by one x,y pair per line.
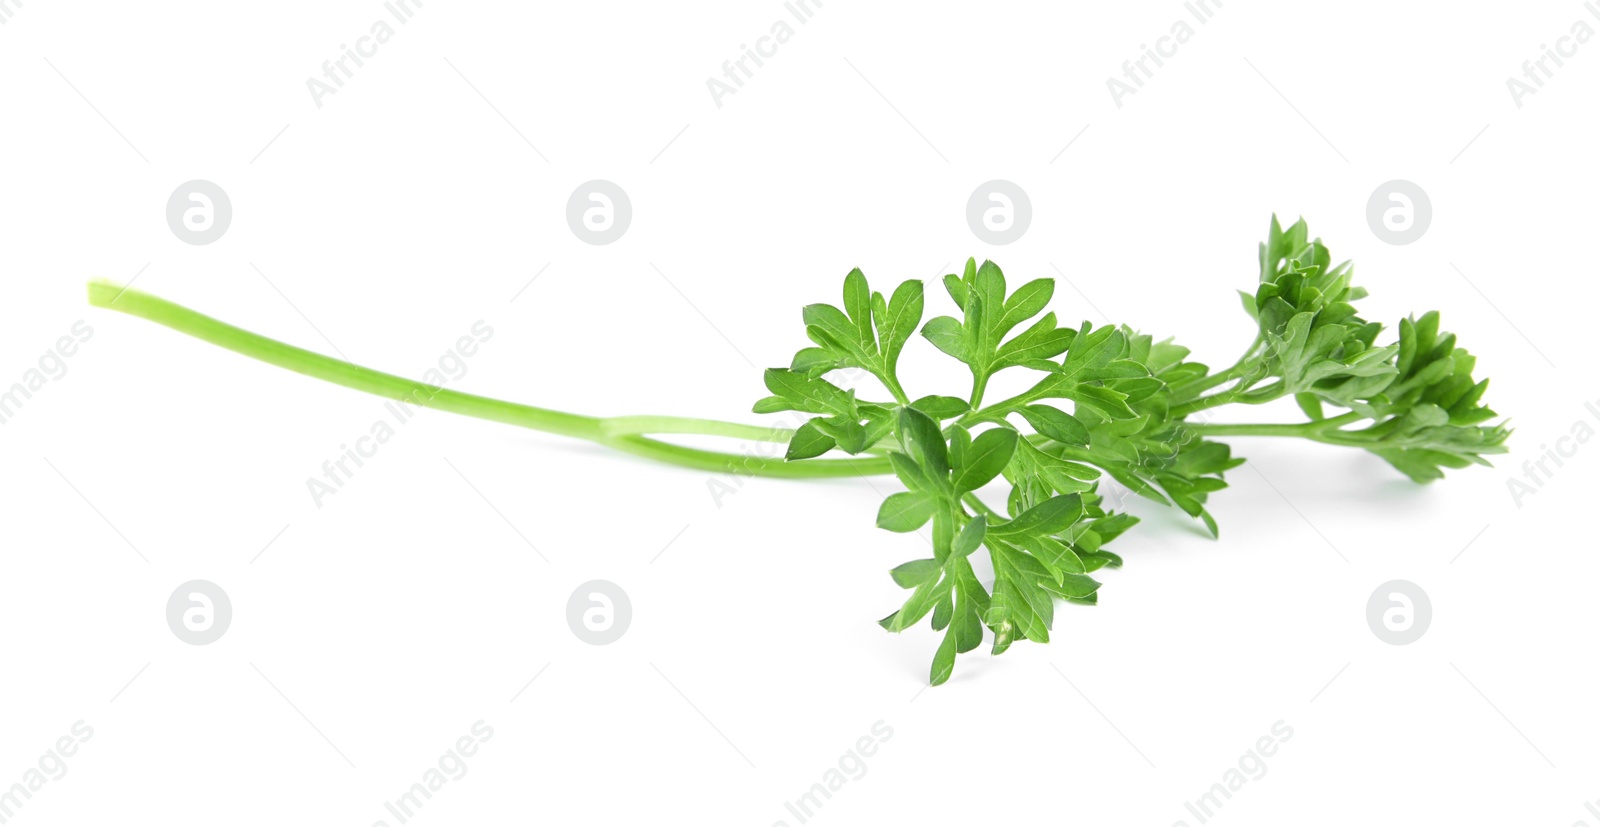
x,y
634,425
899,393
1204,402
1239,368
979,382
998,409
1257,396
624,433
972,499
1206,383
1318,430
889,381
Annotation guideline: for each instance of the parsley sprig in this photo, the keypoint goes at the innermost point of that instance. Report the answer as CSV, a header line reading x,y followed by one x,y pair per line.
x,y
1106,402
1140,414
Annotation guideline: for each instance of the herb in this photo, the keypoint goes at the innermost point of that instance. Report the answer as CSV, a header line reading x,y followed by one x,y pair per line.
x,y
1107,401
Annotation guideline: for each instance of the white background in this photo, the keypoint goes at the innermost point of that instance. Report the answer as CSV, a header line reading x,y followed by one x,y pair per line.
x,y
377,629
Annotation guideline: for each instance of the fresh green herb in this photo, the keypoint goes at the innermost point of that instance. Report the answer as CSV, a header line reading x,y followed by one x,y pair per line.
x,y
1107,400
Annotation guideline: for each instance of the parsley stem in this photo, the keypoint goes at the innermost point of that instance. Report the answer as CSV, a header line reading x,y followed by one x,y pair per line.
x,y
1246,363
893,384
972,499
747,464
1206,383
636,425
1257,396
979,381
1317,430
630,434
